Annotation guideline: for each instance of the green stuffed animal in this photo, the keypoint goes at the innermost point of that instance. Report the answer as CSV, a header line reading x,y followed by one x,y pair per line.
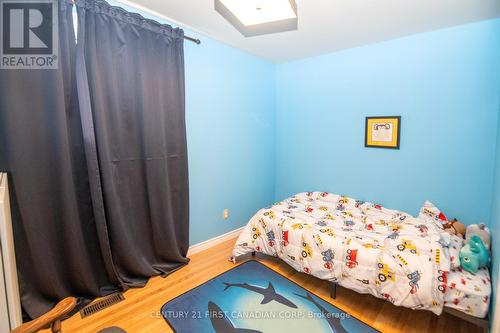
x,y
474,255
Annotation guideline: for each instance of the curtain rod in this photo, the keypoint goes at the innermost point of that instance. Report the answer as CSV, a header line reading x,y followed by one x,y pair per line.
x,y
194,40
189,38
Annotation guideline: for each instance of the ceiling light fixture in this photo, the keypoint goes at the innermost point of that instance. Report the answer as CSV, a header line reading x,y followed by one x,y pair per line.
x,y
259,17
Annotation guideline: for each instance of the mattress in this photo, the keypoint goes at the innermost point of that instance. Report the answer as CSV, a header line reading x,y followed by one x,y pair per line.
x,y
469,293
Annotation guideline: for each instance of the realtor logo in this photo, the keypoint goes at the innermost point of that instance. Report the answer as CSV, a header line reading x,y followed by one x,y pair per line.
x,y
29,34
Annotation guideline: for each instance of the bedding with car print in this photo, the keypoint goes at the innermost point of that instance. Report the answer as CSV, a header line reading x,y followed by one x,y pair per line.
x,y
469,293
361,245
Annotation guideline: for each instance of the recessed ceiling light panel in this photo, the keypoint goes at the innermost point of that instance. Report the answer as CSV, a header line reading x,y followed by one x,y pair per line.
x,y
259,17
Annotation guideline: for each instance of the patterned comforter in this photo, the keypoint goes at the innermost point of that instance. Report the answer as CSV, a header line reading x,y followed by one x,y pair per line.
x,y
362,246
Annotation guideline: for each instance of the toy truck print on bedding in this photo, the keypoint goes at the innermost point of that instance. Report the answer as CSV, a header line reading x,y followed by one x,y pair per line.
x,y
328,256
284,238
255,233
407,245
306,250
270,238
351,258
414,279
363,246
385,274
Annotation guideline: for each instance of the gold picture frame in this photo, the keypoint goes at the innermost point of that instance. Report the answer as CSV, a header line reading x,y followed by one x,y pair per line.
x,y
383,132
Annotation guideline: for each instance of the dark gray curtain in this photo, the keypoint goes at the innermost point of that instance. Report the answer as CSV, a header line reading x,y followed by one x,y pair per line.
x,y
97,158
41,146
130,74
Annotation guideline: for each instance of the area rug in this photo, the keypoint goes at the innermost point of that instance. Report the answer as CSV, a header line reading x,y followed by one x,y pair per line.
x,y
252,298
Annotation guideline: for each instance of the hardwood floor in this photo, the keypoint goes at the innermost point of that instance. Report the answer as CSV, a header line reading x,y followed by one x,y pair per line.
x,y
139,312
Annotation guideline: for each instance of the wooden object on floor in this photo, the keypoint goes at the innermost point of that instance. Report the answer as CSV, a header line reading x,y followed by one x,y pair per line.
x,y
51,318
140,311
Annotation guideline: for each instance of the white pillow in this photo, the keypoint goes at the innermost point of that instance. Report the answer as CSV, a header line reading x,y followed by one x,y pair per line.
x,y
431,213
452,243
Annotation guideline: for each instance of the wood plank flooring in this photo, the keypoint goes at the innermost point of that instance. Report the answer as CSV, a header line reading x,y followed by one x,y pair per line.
x,y
139,312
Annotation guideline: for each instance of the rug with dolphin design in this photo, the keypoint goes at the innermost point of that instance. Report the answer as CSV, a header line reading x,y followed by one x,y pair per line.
x,y
252,298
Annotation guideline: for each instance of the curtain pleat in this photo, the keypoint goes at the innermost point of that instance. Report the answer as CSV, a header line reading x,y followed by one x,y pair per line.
x,y
130,73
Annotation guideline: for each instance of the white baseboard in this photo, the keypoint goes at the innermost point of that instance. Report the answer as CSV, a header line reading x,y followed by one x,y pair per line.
x,y
213,241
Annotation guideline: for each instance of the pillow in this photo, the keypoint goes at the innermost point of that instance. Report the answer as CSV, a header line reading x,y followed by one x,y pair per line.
x,y
431,213
451,243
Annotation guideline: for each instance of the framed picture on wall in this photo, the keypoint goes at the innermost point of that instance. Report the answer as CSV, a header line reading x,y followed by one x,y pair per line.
x,y
383,132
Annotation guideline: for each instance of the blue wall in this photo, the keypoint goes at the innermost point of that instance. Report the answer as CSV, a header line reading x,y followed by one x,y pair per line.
x,y
445,84
230,131
495,221
230,127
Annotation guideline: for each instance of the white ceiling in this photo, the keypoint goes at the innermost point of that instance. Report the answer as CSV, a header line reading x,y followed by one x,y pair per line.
x,y
326,25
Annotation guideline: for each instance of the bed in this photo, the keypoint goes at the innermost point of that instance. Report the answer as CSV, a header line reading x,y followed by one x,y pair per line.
x,y
409,261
